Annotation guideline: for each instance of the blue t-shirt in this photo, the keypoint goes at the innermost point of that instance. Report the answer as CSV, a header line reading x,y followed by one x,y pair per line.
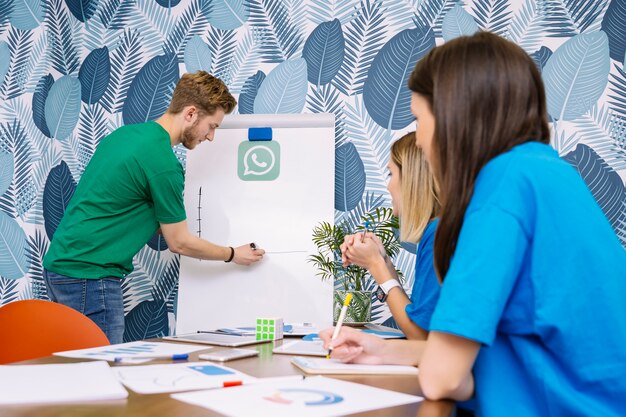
x,y
539,278
426,286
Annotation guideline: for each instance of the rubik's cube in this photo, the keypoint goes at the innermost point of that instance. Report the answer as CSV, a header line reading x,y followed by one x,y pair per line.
x,y
269,328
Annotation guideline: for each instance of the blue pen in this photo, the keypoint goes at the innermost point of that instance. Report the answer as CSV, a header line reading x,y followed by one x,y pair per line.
x,y
367,224
175,357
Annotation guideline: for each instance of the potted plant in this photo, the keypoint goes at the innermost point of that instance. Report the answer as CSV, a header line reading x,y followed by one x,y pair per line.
x,y
328,239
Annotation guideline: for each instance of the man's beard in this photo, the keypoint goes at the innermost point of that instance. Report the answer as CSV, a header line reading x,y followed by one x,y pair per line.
x,y
189,136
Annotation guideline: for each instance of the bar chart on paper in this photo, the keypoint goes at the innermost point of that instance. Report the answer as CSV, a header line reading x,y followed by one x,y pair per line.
x,y
131,349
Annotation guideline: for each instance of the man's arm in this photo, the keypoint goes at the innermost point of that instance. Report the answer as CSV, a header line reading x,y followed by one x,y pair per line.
x,y
181,241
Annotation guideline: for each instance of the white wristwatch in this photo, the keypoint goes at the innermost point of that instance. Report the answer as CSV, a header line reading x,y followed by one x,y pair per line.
x,y
383,289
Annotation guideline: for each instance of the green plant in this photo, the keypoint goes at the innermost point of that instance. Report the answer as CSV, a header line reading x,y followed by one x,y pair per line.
x,y
328,238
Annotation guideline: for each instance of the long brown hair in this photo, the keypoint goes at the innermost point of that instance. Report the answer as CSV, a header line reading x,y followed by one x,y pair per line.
x,y
487,96
420,202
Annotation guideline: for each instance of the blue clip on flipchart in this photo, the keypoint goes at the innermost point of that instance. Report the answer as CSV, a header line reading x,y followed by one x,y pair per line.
x,y
259,133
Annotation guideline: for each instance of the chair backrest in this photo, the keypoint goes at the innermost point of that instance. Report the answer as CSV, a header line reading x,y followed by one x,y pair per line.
x,y
31,329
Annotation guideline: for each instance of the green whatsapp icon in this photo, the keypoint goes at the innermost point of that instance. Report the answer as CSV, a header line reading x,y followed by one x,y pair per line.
x,y
258,160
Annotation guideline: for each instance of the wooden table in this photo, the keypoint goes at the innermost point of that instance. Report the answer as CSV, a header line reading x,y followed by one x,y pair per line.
x,y
265,365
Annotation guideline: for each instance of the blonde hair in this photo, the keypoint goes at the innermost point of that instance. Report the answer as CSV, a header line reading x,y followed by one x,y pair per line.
x,y
420,201
202,90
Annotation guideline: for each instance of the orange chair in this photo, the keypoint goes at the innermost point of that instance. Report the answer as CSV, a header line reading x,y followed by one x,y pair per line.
x,y
31,329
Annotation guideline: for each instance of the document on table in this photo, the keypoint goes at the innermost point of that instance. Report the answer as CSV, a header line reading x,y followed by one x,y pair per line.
x,y
333,366
154,379
59,383
134,350
311,397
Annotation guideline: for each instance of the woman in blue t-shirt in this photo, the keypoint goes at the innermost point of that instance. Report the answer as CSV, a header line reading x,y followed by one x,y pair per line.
x,y
531,318
414,200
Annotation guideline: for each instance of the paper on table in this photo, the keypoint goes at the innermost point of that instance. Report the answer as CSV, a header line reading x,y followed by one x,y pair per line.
x,y
302,347
132,349
153,379
58,383
311,397
332,366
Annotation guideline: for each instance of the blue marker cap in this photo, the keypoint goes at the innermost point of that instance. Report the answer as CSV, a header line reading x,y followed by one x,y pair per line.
x,y
259,133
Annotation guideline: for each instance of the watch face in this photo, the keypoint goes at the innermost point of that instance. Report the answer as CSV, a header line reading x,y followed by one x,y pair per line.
x,y
380,294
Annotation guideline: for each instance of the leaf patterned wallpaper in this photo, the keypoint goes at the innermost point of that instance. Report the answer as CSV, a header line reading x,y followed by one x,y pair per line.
x,y
72,71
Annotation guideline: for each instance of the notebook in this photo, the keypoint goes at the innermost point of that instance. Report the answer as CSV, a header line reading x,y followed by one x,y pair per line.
x,y
217,339
332,366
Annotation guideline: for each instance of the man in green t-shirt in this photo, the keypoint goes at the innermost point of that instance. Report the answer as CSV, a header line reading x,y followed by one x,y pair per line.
x,y
133,186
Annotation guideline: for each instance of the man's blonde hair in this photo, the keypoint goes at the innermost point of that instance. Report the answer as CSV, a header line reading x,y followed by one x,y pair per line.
x,y
202,90
420,202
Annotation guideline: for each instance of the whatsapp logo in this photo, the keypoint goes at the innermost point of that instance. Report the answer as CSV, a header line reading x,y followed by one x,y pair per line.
x,y
258,161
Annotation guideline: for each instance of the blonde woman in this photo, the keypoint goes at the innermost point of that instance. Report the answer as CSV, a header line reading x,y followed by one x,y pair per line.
x,y
414,200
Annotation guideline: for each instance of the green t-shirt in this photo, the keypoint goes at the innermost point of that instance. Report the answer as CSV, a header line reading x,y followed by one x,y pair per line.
x,y
132,184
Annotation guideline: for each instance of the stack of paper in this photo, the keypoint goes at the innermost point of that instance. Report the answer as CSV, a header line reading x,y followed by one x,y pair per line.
x,y
57,383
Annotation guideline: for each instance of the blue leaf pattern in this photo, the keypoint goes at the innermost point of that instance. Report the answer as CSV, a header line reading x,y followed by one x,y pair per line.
x,y
458,22
197,55
541,57
13,243
82,10
604,183
5,60
576,75
284,89
614,25
157,242
385,92
168,4
94,75
62,107
6,171
150,92
228,14
57,193
39,103
324,52
349,177
249,91
27,14
147,320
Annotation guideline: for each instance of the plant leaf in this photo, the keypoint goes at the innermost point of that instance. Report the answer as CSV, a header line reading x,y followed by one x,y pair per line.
x,y
5,60
576,75
284,89
13,244
228,14
57,193
385,92
150,91
62,108
541,56
249,92
157,242
168,4
197,55
39,103
82,10
604,183
324,51
457,22
614,25
6,171
27,14
349,177
147,320
94,75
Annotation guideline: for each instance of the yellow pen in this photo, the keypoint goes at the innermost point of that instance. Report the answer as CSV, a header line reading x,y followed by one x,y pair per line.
x,y
342,316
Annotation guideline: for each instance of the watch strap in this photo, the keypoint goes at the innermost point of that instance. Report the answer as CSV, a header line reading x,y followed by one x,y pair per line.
x,y
388,285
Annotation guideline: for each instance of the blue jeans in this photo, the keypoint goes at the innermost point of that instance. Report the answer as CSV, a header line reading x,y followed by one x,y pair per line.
x,y
99,299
